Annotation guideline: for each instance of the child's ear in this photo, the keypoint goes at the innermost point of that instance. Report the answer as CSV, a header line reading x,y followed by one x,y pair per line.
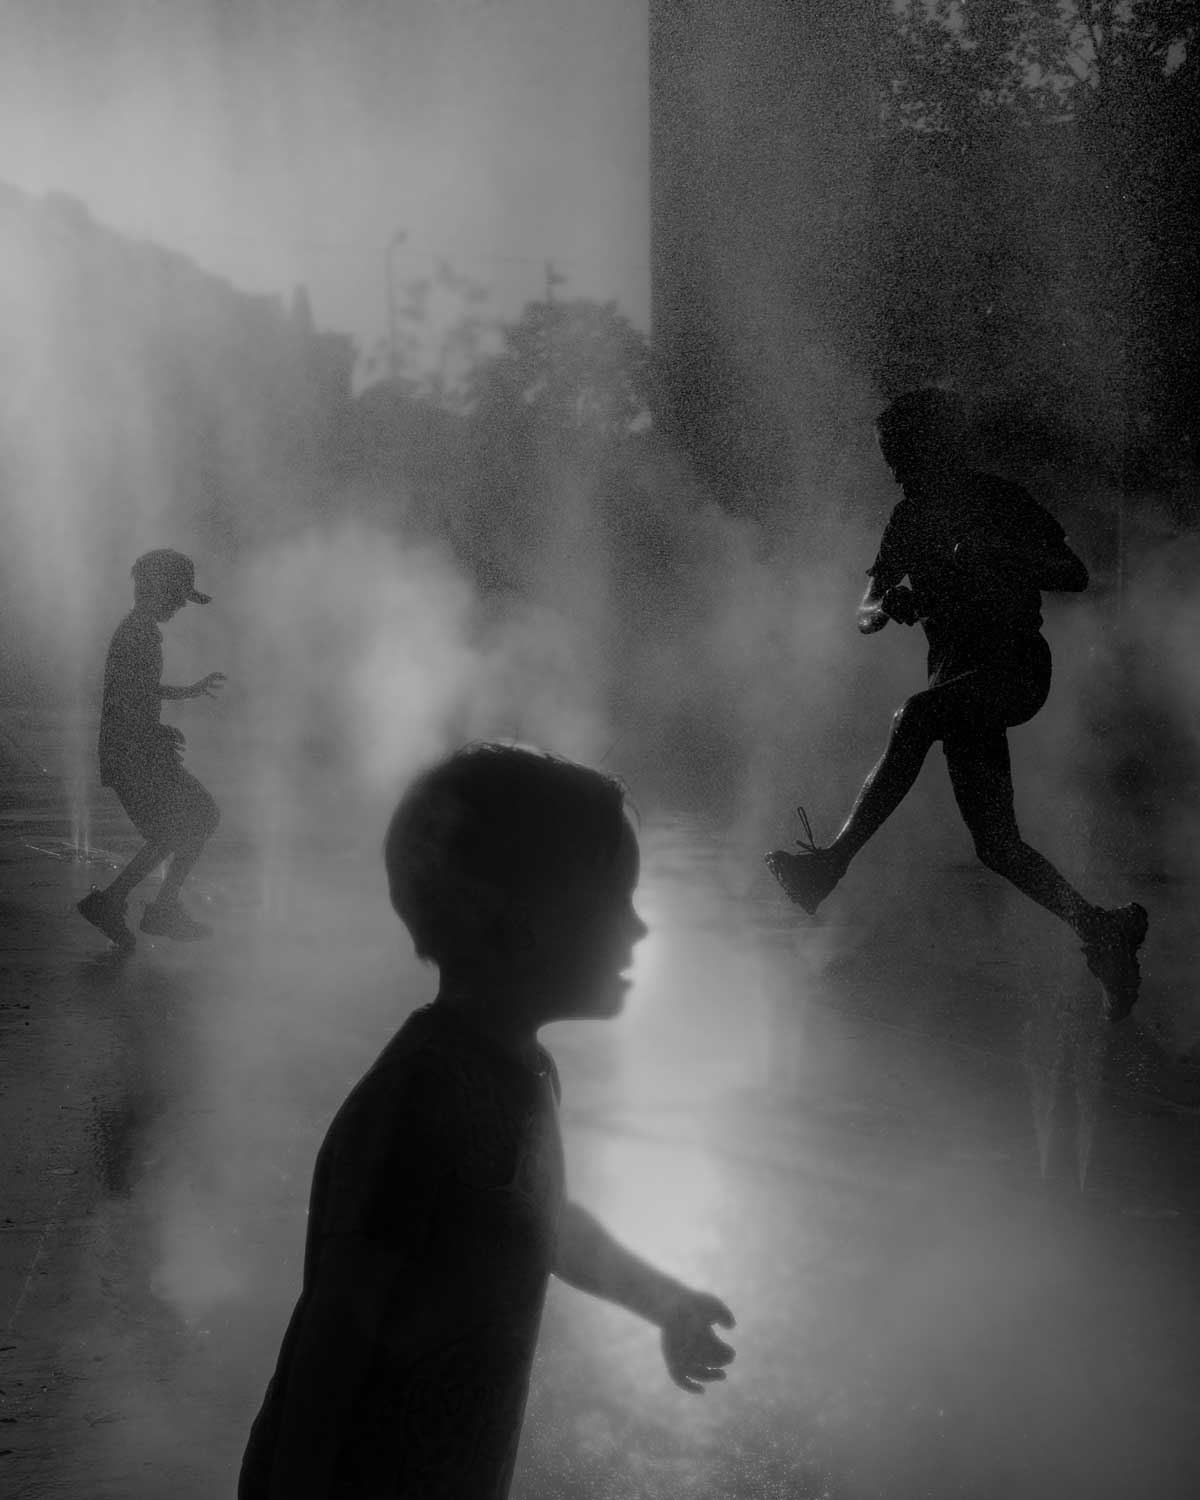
x,y
511,933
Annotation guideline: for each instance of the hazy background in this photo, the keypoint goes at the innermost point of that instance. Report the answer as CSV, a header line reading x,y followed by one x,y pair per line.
x,y
522,507
286,141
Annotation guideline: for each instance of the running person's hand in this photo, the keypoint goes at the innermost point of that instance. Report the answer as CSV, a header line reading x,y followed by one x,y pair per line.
x,y
207,686
900,604
871,617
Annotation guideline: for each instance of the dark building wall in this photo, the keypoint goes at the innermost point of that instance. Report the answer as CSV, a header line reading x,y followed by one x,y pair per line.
x,y
761,119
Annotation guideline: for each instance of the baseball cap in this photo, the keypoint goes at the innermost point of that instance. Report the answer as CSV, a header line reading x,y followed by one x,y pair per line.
x,y
168,572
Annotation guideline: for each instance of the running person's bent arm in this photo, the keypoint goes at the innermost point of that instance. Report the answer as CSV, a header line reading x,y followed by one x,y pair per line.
x,y
879,605
1053,567
1027,543
872,615
886,597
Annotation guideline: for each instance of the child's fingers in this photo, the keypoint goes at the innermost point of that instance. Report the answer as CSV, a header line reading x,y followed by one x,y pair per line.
x,y
713,1310
695,1377
721,1314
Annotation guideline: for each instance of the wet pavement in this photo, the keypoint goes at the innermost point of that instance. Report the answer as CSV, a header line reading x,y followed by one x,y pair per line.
x,y
958,1219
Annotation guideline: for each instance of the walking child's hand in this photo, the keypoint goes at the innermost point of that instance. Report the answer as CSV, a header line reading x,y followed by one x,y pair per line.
x,y
692,1351
207,686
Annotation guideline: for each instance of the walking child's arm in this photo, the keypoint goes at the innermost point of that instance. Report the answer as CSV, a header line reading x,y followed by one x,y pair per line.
x,y
587,1257
205,688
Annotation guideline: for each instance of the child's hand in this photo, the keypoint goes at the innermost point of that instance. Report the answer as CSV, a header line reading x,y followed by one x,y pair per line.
x,y
871,617
900,604
207,686
692,1351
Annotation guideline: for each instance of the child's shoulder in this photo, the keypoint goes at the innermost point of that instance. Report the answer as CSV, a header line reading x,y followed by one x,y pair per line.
x,y
136,629
434,1069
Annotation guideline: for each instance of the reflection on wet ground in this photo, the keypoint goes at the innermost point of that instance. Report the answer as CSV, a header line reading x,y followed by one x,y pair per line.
x,y
959,1236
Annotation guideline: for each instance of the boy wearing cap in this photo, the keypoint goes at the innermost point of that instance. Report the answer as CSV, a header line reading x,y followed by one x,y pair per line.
x,y
978,551
141,758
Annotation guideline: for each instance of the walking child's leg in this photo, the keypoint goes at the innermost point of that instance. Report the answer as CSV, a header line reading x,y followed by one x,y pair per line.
x,y
105,909
195,817
144,863
179,869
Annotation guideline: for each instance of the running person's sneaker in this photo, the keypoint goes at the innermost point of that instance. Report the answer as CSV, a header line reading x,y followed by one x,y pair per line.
x,y
108,915
1111,954
169,919
807,877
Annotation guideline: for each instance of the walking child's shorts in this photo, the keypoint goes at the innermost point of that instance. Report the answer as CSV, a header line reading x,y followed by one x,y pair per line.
x,y
165,802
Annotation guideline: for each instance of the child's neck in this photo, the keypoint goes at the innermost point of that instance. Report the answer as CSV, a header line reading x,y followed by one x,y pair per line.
x,y
496,1009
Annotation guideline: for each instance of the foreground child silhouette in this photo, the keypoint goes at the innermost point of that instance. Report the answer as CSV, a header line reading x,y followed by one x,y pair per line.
x,y
140,758
437,1211
977,552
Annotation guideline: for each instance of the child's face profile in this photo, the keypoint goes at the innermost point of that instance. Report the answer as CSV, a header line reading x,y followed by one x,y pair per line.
x,y
584,939
160,606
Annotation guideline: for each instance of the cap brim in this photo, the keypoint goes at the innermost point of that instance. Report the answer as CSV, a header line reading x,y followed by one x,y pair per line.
x,y
196,598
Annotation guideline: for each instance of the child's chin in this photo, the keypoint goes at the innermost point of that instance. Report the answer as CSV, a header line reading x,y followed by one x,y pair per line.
x,y
601,1000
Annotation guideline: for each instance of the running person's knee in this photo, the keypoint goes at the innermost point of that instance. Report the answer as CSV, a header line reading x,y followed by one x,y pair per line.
x,y
915,721
999,848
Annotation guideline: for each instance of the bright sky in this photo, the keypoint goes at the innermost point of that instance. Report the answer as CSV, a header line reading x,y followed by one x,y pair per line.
x,y
285,141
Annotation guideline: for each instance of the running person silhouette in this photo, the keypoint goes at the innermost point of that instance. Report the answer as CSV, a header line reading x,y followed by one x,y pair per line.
x,y
141,758
977,551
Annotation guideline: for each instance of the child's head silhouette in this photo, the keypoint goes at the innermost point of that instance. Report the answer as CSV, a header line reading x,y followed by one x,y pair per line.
x,y
506,862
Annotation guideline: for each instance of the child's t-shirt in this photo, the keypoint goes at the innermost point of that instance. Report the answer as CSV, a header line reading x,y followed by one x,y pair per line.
x,y
131,705
432,1225
969,616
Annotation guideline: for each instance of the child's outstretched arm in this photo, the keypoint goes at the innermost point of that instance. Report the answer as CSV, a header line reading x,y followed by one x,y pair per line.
x,y
205,688
589,1258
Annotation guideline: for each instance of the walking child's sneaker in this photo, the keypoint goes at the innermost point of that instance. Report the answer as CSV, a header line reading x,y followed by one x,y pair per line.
x,y
169,919
1111,954
108,915
807,877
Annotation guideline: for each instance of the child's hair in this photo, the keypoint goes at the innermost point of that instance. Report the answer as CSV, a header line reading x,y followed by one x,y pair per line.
x,y
489,822
930,417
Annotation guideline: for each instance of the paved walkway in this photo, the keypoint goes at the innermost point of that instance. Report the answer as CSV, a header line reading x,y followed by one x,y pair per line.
x,y
958,1220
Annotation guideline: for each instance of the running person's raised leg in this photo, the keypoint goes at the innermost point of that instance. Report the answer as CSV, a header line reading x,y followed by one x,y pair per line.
x,y
810,875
